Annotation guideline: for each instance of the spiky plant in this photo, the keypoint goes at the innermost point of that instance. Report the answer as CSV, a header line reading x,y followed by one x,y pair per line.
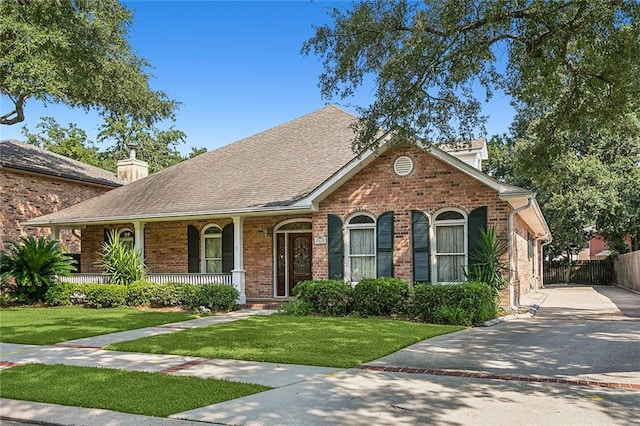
x,y
487,263
123,264
34,264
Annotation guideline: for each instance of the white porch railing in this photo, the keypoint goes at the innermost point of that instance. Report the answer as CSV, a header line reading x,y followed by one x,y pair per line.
x,y
194,279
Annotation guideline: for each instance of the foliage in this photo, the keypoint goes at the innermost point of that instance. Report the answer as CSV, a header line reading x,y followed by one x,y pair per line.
x,y
76,53
33,264
468,303
217,297
584,180
381,296
561,62
123,264
323,341
105,295
330,297
45,326
153,145
140,293
64,294
487,264
137,392
296,307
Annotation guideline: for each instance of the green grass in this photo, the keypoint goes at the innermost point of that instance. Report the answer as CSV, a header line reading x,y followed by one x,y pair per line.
x,y
150,394
44,326
330,342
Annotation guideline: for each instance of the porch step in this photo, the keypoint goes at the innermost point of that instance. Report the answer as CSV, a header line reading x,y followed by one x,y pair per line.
x,y
264,303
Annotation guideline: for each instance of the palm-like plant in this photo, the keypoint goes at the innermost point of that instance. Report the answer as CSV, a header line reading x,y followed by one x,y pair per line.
x,y
123,264
487,263
34,264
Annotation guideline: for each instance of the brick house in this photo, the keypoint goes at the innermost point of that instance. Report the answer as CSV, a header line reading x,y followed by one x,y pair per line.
x,y
294,203
36,182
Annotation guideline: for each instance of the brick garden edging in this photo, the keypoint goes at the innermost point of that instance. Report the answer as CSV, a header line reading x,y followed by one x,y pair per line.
x,y
509,377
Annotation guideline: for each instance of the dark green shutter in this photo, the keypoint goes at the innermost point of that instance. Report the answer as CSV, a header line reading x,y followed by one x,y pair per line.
x,y
477,225
384,239
107,235
227,248
420,246
193,248
335,247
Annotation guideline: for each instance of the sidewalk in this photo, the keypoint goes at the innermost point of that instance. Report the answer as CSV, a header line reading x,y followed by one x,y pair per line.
x,y
87,352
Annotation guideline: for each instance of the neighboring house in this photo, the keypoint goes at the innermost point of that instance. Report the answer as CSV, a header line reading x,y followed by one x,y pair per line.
x,y
294,203
36,182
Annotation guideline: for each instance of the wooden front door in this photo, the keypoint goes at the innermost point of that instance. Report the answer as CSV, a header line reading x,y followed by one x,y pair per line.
x,y
299,259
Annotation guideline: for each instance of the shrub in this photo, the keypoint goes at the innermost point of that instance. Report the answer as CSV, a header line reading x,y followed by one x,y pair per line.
x,y
141,293
33,264
468,303
105,295
169,294
217,297
61,294
381,296
121,263
333,298
296,307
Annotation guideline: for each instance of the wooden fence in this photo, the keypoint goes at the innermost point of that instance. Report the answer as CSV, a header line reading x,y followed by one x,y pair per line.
x,y
628,270
579,272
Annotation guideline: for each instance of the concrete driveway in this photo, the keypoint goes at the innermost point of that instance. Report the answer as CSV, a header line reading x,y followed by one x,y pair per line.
x,y
548,369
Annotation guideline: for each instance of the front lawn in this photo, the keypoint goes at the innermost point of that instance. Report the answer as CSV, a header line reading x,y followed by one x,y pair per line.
x,y
150,394
44,326
322,341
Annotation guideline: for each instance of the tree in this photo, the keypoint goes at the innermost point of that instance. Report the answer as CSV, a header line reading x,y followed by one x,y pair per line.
x,y
560,61
75,52
158,147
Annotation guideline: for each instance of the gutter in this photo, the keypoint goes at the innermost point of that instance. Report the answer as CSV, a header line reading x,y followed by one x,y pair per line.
x,y
549,239
512,275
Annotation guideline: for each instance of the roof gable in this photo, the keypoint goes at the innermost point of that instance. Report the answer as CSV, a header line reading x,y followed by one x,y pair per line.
x,y
30,158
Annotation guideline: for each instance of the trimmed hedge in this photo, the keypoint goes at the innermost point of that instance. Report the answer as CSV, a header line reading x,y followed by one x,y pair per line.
x,y
381,297
334,298
216,297
468,303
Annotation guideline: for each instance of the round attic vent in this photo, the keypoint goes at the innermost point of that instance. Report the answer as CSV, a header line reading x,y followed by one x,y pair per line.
x,y
403,165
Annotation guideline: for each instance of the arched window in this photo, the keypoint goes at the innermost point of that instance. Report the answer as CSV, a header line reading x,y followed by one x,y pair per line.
x,y
212,249
361,247
126,237
451,245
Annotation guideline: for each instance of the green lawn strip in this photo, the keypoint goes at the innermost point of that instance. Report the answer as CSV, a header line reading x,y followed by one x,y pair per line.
x,y
330,342
150,394
44,326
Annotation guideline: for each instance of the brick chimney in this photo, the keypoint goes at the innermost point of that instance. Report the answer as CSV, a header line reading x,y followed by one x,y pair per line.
x,y
132,169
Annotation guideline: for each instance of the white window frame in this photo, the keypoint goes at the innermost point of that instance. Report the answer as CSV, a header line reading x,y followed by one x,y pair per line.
x,y
347,243
127,241
203,237
434,243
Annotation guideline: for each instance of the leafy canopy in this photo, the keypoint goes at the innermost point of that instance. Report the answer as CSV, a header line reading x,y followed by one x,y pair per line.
x,y
75,52
562,60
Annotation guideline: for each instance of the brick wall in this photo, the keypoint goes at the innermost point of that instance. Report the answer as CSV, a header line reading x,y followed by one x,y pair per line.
x,y
431,186
26,196
525,276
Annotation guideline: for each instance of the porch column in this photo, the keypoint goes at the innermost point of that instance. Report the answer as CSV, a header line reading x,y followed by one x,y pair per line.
x,y
238,262
138,237
55,233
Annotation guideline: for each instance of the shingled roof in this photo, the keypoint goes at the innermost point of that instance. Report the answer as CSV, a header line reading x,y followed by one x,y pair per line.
x,y
269,170
30,158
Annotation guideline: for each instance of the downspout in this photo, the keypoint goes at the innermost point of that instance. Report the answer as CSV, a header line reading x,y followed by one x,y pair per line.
x,y
550,238
512,272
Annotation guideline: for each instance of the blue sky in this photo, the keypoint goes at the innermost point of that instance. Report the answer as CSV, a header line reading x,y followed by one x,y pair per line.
x,y
235,66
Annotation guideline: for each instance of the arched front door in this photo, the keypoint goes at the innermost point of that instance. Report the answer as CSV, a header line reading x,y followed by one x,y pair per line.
x,y
293,256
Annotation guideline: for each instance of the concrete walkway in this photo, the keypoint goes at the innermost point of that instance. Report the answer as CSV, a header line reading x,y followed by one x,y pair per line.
x,y
567,341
